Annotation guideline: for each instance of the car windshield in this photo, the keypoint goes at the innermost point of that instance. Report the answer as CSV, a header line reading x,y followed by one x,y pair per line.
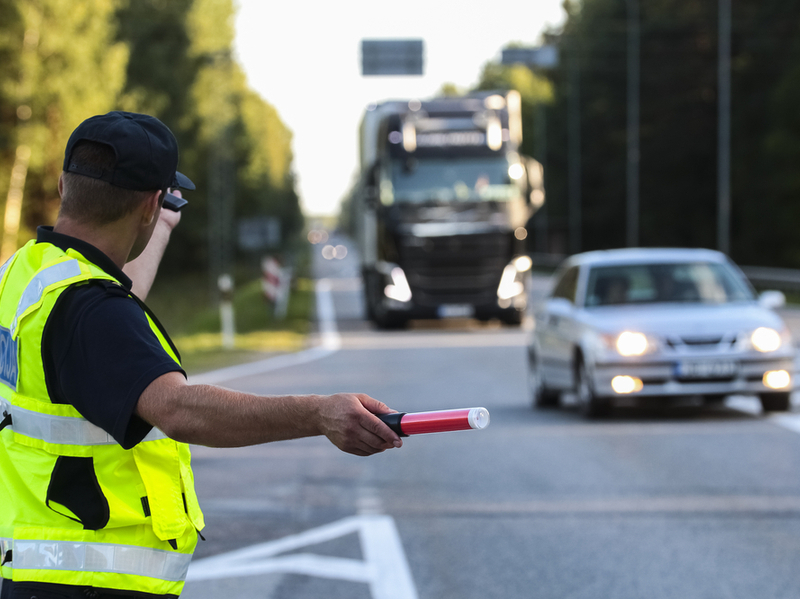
x,y
703,282
445,179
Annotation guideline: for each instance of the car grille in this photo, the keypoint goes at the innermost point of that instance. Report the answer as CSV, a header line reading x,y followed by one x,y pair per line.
x,y
707,342
455,269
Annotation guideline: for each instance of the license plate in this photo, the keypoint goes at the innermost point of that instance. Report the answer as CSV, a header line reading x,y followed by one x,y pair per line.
x,y
706,369
455,310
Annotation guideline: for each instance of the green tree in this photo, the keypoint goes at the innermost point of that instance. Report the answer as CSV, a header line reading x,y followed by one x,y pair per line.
x,y
233,143
678,125
62,66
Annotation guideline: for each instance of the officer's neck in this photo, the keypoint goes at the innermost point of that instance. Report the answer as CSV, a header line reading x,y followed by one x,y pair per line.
x,y
115,240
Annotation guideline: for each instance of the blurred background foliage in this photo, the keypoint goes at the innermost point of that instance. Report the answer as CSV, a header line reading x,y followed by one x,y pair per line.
x,y
678,126
63,61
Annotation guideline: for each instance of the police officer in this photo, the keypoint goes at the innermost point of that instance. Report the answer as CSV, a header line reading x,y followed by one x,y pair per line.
x,y
96,490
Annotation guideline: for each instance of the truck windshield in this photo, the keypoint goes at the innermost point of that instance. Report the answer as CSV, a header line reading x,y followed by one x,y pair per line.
x,y
452,179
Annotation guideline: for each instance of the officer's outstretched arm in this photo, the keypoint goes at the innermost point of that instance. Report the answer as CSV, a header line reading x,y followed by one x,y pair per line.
x,y
142,270
214,416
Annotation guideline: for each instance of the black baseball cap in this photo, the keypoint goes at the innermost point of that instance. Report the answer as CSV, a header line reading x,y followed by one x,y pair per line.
x,y
146,152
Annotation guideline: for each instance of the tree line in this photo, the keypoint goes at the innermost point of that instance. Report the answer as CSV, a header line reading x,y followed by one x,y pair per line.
x,y
678,126
61,62
584,98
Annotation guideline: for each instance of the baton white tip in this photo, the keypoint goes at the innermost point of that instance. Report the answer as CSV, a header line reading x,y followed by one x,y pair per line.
x,y
478,418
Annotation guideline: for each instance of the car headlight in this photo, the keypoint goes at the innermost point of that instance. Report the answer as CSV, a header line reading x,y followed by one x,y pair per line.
x,y
766,339
632,343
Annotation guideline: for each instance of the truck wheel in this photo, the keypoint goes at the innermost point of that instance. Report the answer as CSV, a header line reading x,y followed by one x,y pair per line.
x,y
388,319
775,401
513,318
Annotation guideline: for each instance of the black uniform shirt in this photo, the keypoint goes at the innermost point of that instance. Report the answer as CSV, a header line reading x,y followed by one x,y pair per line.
x,y
98,349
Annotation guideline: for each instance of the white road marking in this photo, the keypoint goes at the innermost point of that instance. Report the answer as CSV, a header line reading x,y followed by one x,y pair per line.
x,y
385,568
745,404
330,342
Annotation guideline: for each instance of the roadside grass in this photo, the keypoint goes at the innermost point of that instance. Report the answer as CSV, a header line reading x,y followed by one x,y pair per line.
x,y
184,306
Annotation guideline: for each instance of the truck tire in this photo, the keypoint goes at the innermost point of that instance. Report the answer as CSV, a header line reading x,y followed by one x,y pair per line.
x,y
389,319
512,318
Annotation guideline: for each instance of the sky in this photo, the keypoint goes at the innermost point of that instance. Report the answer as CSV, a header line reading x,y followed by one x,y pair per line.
x,y
304,59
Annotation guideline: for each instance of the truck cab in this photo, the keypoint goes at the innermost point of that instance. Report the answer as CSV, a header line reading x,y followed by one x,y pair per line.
x,y
442,205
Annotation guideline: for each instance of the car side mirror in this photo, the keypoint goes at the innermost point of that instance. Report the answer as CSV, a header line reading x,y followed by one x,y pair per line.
x,y
559,306
772,299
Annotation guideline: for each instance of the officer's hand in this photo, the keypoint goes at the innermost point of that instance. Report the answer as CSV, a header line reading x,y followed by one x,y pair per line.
x,y
171,218
349,421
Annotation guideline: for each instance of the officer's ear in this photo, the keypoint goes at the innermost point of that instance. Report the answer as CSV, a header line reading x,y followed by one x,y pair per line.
x,y
151,207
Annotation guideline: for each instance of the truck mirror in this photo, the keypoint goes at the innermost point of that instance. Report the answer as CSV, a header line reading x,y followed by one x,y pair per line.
x,y
372,195
535,173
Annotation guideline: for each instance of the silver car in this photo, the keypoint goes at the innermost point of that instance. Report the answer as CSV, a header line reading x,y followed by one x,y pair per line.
x,y
657,323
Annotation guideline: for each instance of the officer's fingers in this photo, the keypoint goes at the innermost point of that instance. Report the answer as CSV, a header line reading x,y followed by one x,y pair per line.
x,y
387,437
364,447
376,407
375,425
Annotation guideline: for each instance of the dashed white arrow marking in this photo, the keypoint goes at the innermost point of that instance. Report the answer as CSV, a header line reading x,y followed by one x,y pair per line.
x,y
385,568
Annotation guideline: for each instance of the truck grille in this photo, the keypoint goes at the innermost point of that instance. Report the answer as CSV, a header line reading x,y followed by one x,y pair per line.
x,y
459,269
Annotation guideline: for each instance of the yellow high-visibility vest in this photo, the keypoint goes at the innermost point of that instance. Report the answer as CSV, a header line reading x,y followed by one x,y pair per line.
x,y
135,521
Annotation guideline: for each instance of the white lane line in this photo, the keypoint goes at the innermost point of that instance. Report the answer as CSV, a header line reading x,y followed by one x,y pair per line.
x,y
384,568
383,549
745,404
330,342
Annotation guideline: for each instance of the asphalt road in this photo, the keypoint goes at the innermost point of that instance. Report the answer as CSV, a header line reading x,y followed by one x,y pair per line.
x,y
679,502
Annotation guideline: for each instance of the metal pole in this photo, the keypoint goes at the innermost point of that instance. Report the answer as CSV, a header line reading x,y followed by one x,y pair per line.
x,y
574,143
724,129
632,234
541,147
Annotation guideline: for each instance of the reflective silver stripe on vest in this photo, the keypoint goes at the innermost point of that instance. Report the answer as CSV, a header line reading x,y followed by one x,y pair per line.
x,y
5,546
101,558
53,429
44,278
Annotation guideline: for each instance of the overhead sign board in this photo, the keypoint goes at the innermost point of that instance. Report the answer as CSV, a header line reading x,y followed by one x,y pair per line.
x,y
259,233
391,57
544,56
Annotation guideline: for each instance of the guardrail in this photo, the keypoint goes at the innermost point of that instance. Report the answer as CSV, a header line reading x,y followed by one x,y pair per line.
x,y
773,278
761,277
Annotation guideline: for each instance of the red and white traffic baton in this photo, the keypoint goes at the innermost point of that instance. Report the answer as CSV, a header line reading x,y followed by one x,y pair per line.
x,y
436,421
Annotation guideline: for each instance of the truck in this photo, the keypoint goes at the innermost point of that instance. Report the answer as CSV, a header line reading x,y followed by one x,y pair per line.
x,y
440,209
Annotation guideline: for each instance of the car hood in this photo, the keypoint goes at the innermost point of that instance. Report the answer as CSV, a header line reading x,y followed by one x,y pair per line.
x,y
690,320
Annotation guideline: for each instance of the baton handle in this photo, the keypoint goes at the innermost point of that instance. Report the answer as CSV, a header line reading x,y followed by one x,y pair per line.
x,y
436,421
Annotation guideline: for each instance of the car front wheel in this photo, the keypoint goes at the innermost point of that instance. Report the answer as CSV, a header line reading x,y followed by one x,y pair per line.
x,y
540,396
591,405
775,401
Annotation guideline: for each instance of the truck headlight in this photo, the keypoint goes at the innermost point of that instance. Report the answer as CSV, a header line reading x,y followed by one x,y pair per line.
x,y
510,284
399,289
522,263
